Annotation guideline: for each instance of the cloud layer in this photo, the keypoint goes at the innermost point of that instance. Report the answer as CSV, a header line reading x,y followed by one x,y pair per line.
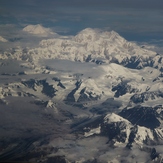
x,y
140,20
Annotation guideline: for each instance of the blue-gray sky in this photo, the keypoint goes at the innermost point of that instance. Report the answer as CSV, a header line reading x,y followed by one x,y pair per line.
x,y
138,20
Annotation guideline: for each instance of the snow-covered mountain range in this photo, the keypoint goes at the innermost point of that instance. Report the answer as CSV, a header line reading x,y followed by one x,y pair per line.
x,y
110,87
89,45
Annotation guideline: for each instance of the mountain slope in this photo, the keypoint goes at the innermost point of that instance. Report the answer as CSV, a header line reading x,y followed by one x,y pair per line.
x,y
119,130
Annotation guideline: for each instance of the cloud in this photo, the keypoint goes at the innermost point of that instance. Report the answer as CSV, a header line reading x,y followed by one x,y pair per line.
x,y
144,4
79,150
130,18
53,7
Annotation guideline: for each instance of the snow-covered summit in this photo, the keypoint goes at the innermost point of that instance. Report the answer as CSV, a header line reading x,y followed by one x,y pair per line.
x,y
3,39
87,34
37,30
92,35
109,118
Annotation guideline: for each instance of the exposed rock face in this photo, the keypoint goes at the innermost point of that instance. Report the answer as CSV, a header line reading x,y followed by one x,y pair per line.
x,y
145,96
46,89
123,88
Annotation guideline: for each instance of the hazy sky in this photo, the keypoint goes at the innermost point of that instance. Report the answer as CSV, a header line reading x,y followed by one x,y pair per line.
x,y
134,19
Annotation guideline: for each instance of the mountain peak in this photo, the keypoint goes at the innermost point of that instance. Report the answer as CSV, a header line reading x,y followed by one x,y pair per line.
x,y
115,118
115,34
37,30
112,35
89,30
88,34
3,39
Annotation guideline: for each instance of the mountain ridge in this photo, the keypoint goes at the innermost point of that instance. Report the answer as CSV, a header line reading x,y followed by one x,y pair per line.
x,y
108,46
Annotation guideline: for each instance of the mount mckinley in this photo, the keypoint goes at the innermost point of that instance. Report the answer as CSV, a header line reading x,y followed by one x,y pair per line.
x,y
97,85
